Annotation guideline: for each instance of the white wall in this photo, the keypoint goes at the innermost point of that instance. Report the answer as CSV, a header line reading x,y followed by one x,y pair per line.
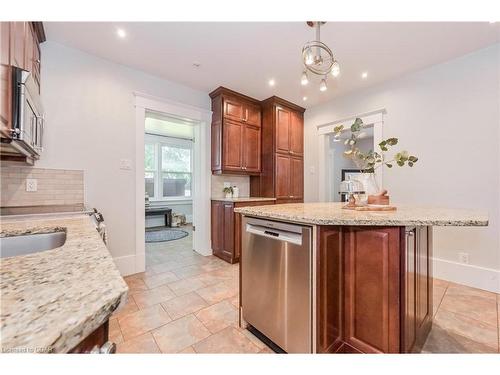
x,y
447,115
90,120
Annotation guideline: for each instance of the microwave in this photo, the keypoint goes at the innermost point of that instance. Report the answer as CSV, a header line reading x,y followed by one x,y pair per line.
x,y
27,115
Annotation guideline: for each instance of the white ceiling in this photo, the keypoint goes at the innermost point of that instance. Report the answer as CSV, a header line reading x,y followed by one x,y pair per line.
x,y
244,56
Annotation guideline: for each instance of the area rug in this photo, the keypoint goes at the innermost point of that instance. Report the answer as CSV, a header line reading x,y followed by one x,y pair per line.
x,y
165,234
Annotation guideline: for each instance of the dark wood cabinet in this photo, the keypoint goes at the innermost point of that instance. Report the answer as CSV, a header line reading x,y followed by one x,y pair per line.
x,y
374,289
236,133
226,228
19,47
282,174
98,339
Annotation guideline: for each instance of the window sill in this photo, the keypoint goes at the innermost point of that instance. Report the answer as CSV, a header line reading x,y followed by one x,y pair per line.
x,y
173,202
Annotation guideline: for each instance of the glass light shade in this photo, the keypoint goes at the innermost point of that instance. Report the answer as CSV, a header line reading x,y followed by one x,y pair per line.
x,y
304,80
309,60
322,85
335,69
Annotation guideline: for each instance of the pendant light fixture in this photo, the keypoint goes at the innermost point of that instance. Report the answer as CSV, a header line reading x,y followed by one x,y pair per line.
x,y
318,58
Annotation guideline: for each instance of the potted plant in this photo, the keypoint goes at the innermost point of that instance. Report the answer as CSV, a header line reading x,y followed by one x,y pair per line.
x,y
228,191
369,162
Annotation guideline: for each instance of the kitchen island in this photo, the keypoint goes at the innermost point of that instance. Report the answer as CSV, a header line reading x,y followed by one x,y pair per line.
x,y
369,274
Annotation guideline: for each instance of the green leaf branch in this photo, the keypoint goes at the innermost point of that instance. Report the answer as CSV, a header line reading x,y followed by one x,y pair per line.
x,y
369,161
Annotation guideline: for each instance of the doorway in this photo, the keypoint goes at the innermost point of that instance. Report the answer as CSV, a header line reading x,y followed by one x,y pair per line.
x,y
179,132
168,182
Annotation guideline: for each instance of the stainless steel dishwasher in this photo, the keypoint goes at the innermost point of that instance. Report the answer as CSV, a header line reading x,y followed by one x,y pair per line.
x,y
276,268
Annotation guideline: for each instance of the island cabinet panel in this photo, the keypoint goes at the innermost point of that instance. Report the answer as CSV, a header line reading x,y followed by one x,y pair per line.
x,y
371,287
236,133
329,285
97,338
416,296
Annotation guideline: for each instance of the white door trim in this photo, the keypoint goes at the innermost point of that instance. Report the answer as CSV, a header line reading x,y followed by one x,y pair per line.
x,y
324,131
201,176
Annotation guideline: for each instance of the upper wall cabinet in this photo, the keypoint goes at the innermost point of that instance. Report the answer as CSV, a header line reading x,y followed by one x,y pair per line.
x,y
282,174
236,133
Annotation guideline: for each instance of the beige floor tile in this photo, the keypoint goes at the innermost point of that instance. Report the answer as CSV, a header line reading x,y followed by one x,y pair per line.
x,y
235,301
215,277
216,293
462,290
153,296
266,350
188,271
140,344
188,350
129,307
254,339
218,316
438,294
135,284
160,279
179,334
142,321
115,333
445,341
465,326
229,340
184,305
164,267
474,306
440,283
185,286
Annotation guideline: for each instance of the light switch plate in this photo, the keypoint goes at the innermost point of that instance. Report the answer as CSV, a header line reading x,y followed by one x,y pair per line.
x,y
125,164
31,184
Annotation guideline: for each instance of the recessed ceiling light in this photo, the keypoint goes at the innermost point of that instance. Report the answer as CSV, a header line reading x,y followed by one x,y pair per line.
x,y
121,33
196,64
364,75
271,82
304,98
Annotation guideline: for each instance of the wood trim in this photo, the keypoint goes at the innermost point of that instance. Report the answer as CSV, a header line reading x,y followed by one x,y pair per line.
x,y
285,103
221,90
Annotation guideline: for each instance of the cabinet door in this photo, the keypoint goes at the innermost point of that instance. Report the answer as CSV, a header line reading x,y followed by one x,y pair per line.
x,y
217,227
251,149
5,80
232,153
408,302
283,130
371,289
228,237
17,42
252,115
233,109
282,176
297,134
296,178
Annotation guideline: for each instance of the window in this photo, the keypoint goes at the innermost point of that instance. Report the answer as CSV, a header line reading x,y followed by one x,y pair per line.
x,y
168,165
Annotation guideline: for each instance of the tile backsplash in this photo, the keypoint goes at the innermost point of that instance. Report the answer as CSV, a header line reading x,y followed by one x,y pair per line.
x,y
242,182
54,186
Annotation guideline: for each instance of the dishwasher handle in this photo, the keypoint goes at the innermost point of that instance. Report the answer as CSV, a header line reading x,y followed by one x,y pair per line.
x,y
276,234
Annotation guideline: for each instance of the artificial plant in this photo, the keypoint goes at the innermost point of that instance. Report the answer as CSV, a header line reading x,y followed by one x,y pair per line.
x,y
369,161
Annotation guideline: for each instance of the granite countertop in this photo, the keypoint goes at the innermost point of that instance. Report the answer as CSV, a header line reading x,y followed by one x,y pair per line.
x,y
52,300
244,199
333,214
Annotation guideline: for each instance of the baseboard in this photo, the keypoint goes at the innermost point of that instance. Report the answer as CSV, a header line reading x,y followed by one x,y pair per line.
x,y
467,274
127,265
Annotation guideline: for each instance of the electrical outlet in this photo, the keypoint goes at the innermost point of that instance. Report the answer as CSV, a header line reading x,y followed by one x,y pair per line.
x,y
31,184
463,258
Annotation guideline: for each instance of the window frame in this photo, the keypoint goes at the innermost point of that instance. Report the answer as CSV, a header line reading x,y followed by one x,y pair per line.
x,y
159,141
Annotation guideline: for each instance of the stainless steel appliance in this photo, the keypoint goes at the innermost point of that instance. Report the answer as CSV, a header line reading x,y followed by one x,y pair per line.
x,y
27,116
276,268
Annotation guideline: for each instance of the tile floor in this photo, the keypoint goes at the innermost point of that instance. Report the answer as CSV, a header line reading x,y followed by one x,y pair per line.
x,y
187,303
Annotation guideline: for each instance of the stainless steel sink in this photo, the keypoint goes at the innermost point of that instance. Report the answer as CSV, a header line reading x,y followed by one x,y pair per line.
x,y
30,243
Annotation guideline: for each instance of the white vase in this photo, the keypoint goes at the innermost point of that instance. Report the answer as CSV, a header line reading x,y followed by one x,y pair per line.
x,y
370,185
229,195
